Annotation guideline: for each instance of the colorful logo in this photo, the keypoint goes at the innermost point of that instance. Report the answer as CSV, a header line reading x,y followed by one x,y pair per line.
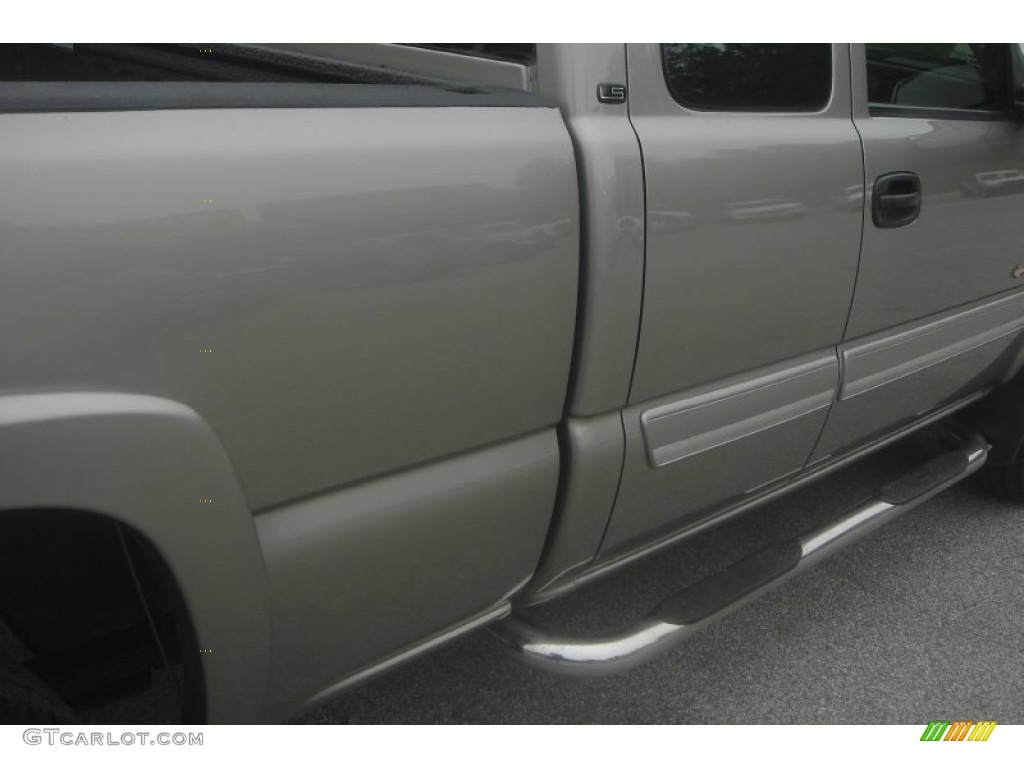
x,y
958,730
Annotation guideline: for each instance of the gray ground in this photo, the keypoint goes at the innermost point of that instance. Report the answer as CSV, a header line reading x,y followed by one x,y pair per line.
x,y
922,620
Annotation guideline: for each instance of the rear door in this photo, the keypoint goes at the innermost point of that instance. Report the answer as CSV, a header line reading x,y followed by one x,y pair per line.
x,y
937,305
754,177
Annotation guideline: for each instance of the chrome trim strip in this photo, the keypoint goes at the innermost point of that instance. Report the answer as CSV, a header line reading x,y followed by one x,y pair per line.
x,y
883,359
598,656
710,419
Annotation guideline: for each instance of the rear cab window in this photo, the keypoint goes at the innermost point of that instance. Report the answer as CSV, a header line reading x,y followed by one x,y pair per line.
x,y
749,77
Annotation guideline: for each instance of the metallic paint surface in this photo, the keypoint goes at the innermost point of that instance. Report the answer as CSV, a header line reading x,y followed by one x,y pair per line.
x,y
592,454
379,287
654,498
612,201
420,647
349,319
733,283
966,242
362,574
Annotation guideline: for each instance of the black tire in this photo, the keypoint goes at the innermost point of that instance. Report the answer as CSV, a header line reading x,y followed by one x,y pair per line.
x,y
27,700
1005,481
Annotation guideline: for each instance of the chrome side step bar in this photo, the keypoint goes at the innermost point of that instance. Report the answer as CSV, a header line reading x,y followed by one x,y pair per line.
x,y
699,605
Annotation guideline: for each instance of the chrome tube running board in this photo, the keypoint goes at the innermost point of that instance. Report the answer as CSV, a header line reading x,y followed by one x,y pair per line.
x,y
705,602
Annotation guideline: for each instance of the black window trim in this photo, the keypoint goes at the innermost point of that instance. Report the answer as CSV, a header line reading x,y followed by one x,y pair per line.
x,y
937,113
754,111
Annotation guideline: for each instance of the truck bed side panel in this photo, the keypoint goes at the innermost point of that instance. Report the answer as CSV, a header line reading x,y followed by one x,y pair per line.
x,y
340,293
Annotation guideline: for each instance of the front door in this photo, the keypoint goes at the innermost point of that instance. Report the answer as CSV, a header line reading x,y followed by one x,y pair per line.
x,y
937,306
754,185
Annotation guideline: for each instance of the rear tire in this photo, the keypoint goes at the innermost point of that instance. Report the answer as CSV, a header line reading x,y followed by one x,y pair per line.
x,y
1005,481
25,699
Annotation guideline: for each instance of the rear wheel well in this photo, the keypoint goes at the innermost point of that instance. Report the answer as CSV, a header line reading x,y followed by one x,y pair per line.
x,y
94,610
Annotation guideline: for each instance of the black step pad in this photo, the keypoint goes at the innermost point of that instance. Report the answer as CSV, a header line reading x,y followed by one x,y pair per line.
x,y
704,598
939,470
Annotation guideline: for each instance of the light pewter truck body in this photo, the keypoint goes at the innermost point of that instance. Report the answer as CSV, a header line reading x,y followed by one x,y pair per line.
x,y
368,365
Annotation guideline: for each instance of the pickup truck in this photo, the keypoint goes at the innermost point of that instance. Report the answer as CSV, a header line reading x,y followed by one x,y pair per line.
x,y
315,357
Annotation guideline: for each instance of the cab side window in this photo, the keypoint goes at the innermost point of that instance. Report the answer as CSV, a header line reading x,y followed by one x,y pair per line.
x,y
943,76
745,77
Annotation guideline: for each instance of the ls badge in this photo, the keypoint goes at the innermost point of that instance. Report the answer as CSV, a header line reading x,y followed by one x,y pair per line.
x,y
611,93
1017,272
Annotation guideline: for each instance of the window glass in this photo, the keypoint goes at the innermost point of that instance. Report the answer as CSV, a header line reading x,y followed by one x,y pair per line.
x,y
739,77
938,75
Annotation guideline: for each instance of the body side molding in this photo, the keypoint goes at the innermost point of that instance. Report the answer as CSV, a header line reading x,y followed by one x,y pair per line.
x,y
710,419
884,358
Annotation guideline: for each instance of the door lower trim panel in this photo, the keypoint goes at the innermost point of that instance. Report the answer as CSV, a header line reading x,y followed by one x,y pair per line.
x,y
884,358
711,419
